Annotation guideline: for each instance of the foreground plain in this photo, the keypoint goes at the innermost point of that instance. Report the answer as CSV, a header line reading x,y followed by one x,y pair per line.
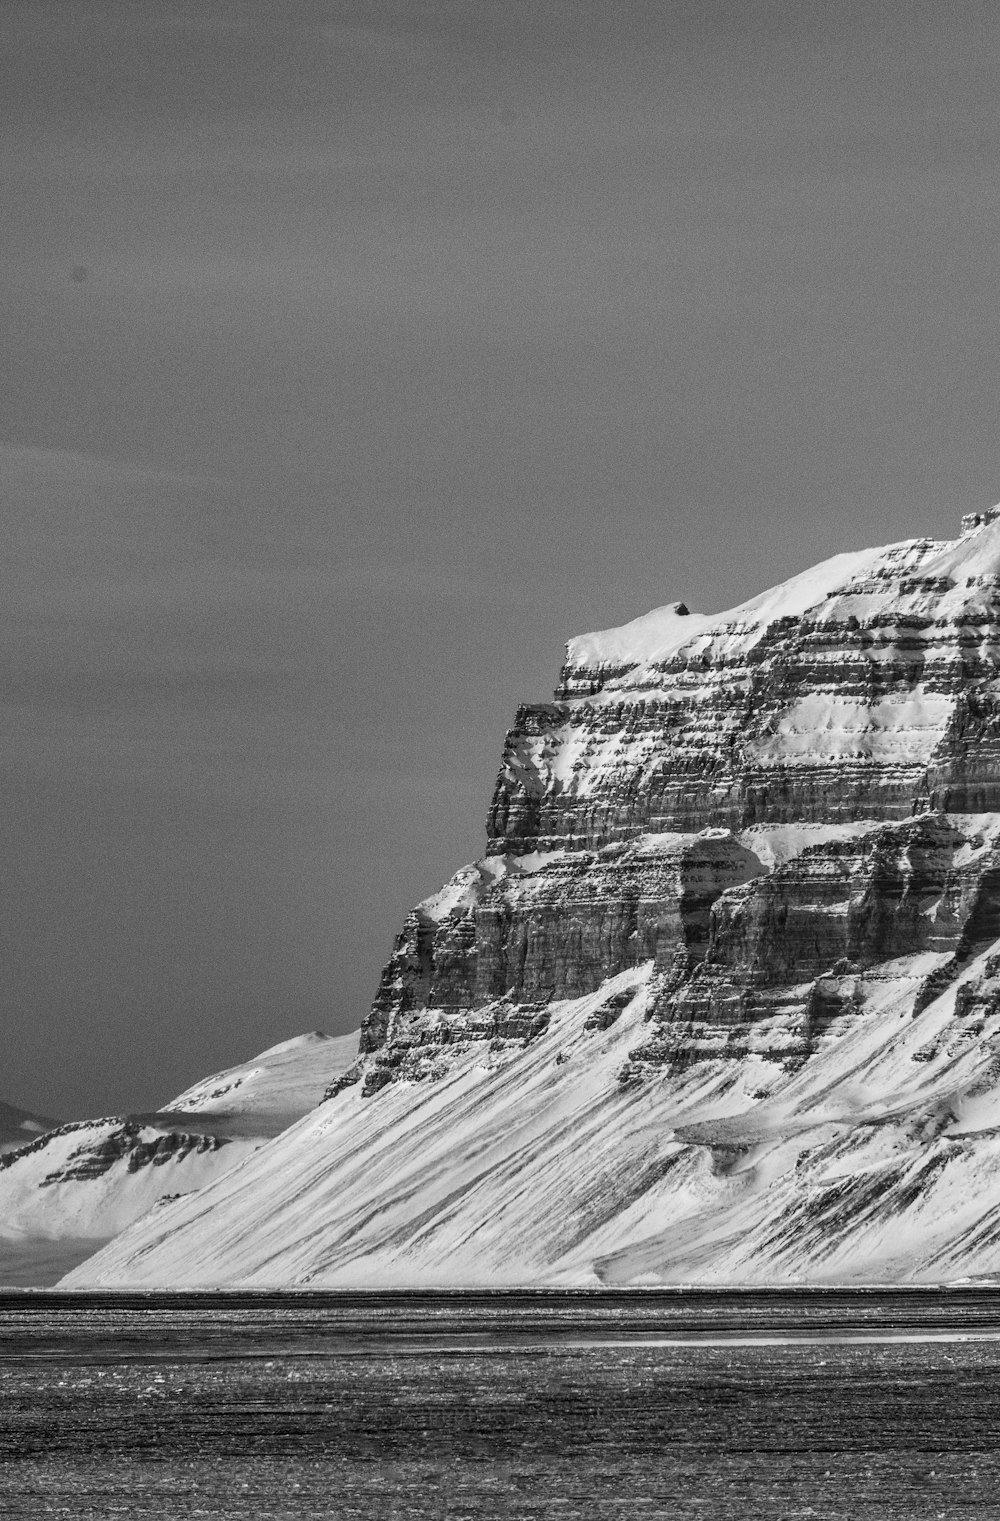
x,y
780,1405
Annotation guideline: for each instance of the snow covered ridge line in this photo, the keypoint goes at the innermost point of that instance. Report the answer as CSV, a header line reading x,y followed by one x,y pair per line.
x,y
721,1001
909,567
666,632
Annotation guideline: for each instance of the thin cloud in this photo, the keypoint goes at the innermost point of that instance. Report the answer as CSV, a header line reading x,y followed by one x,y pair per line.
x,y
20,463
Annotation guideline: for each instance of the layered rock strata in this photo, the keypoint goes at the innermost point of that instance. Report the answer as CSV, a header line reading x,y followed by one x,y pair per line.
x,y
864,688
527,930
794,951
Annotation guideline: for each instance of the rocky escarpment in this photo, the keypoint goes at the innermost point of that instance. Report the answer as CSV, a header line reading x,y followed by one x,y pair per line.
x,y
863,690
741,955
721,1000
129,1142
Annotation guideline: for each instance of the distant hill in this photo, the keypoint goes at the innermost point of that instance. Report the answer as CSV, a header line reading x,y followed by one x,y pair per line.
x,y
19,1126
65,1190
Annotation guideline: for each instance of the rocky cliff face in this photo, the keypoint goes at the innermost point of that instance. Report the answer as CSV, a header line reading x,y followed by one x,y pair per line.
x,y
530,929
720,1000
864,688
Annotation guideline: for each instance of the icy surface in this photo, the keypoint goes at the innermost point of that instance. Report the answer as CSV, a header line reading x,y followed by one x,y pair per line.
x,y
845,1407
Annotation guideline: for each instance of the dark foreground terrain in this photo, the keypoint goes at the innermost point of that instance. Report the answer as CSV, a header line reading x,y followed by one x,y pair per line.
x,y
822,1404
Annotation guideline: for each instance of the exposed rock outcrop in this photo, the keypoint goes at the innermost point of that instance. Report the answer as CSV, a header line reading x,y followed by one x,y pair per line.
x,y
795,949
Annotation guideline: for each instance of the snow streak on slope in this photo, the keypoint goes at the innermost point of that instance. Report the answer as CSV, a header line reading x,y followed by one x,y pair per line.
x,y
457,1180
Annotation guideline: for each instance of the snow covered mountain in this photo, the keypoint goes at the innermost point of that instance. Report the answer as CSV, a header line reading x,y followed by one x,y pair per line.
x,y
720,1003
66,1191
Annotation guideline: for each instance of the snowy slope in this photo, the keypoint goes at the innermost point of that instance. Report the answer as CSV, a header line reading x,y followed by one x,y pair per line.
x,y
666,631
880,1159
857,584
93,1177
276,1087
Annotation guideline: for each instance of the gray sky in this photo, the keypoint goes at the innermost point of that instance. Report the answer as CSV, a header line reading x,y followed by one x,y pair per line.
x,y
358,354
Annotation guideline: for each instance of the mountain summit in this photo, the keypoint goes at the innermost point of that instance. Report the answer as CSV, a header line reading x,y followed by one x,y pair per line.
x,y
721,1001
